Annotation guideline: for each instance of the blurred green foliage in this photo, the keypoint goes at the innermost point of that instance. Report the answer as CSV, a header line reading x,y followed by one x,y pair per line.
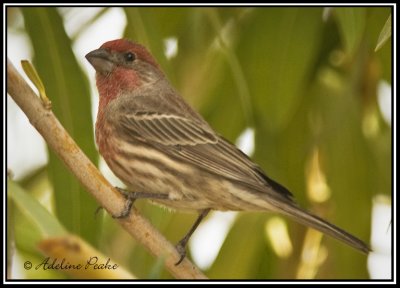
x,y
68,89
305,79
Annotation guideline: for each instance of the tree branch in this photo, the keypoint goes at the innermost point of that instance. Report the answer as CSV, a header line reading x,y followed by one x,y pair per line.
x,y
88,175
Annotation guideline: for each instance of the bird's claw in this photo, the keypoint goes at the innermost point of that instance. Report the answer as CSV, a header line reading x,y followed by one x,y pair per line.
x,y
181,249
97,211
128,204
131,196
126,211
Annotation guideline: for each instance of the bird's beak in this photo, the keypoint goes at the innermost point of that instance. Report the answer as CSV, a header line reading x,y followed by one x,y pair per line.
x,y
101,60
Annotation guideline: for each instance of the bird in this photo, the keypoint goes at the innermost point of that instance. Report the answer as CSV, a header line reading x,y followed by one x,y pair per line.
x,y
164,151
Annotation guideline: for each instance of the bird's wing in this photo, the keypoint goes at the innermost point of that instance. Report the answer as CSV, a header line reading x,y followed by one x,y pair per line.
x,y
197,144
168,129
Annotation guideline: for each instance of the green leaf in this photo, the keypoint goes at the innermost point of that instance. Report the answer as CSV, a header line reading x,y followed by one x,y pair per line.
x,y
157,268
385,34
277,50
384,56
67,88
40,218
351,23
34,77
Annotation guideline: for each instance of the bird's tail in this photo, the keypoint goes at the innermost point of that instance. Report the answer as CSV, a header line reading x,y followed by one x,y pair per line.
x,y
308,219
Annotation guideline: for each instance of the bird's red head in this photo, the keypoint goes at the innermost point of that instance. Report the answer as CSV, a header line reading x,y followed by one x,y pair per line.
x,y
124,45
122,67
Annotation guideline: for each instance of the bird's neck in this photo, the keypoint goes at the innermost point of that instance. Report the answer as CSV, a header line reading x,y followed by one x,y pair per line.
x,y
112,85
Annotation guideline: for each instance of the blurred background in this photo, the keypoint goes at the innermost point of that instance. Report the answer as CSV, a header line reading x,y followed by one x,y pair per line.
x,y
305,91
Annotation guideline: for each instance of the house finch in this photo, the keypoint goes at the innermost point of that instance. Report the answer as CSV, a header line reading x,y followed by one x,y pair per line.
x,y
165,151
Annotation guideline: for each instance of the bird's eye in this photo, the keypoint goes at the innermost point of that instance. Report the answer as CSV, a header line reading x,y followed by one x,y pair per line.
x,y
129,57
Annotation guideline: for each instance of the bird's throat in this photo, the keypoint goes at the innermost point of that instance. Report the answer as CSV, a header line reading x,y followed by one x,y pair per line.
x,y
116,83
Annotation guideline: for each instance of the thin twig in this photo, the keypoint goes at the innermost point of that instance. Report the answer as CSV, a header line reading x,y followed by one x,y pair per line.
x,y
59,140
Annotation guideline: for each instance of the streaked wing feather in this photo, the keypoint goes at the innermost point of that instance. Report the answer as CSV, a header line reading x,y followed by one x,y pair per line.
x,y
199,145
168,129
